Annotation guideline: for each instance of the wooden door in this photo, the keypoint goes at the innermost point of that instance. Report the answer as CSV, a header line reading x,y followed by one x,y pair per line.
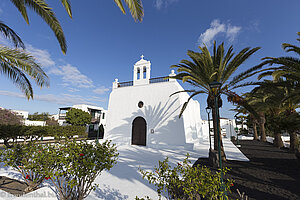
x,y
139,128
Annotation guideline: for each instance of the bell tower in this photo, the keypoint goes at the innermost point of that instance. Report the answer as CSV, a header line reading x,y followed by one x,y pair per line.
x,y
141,72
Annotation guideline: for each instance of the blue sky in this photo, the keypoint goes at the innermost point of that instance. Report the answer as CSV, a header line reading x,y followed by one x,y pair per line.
x,y
104,44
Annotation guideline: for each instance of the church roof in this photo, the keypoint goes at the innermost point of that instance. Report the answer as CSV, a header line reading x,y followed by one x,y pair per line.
x,y
142,61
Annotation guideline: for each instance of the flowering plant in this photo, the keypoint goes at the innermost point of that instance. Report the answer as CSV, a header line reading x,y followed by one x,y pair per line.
x,y
30,160
184,181
77,164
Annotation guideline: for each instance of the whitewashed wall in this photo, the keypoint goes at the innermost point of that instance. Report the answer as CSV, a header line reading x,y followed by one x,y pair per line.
x,y
160,112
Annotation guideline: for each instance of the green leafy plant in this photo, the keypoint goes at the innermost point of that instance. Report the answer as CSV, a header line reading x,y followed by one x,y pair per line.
x,y
34,133
78,117
186,182
38,116
72,166
30,160
77,164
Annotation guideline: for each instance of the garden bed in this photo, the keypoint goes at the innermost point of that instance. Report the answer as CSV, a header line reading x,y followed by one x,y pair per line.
x,y
272,173
12,186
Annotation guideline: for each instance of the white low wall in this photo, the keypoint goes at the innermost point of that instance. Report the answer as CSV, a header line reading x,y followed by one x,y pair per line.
x,y
35,123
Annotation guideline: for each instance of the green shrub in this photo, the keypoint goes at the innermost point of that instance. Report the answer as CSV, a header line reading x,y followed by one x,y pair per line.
x,y
30,160
33,133
72,166
77,164
186,182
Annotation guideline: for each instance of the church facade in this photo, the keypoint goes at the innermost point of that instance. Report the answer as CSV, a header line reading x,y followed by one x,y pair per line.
x,y
142,112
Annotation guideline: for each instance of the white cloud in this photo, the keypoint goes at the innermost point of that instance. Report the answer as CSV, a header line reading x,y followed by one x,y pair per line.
x,y
62,99
96,98
100,90
71,76
42,56
254,26
232,32
12,94
73,90
210,34
159,4
216,28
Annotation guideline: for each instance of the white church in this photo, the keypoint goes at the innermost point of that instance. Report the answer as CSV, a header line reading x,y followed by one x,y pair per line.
x,y
142,112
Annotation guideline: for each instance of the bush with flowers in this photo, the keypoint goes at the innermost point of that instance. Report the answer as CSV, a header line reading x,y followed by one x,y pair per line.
x,y
187,182
70,165
76,166
30,160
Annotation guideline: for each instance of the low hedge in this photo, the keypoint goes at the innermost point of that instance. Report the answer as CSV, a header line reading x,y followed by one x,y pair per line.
x,y
32,133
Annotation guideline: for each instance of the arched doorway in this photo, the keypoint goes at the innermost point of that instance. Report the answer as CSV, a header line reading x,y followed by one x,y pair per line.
x,y
139,131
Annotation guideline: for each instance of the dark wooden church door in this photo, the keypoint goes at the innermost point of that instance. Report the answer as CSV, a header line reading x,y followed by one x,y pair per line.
x,y
139,128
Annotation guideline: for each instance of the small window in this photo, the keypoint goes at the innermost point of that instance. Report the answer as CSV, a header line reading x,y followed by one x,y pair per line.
x,y
103,115
140,104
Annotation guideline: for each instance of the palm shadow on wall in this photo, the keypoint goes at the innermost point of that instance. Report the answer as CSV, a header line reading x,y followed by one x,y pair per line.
x,y
162,118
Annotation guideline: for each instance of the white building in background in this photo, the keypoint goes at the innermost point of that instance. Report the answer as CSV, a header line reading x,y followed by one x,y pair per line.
x,y
98,116
142,112
24,114
21,113
27,122
228,127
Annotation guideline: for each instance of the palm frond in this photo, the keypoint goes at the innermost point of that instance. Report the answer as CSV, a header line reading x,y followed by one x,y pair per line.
x,y
135,7
15,63
20,5
186,103
45,12
67,5
181,92
11,35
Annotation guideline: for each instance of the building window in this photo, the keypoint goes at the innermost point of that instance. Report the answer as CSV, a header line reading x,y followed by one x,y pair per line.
x,y
140,104
103,114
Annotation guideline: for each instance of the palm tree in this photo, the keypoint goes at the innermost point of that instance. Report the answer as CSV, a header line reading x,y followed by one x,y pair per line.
x,y
288,69
16,63
135,7
206,68
253,120
267,99
41,8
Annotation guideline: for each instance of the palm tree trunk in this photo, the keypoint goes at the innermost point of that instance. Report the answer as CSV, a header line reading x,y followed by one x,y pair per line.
x,y
215,124
293,142
277,140
255,136
262,127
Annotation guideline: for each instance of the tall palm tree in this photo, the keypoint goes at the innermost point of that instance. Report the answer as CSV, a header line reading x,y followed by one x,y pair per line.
x,y
278,93
288,69
16,63
206,68
254,121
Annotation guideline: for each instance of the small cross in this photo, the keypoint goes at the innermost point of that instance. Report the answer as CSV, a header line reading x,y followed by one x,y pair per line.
x,y
142,57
